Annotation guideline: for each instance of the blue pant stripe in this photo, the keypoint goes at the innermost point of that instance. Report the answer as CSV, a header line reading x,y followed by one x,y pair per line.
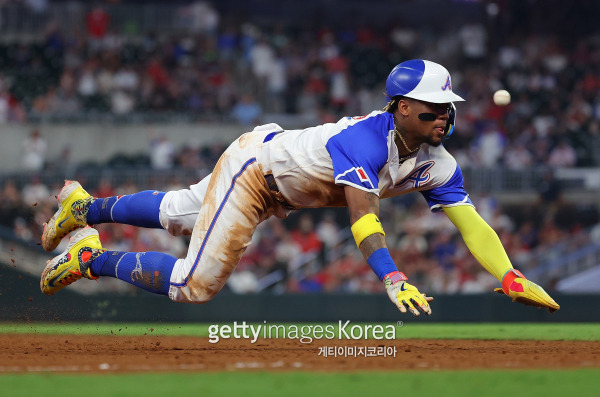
x,y
212,224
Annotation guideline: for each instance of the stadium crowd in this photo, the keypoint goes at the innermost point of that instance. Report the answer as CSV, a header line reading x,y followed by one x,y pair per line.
x,y
241,71
313,249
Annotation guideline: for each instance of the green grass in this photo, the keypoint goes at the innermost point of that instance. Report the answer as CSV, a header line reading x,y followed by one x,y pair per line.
x,y
580,383
516,331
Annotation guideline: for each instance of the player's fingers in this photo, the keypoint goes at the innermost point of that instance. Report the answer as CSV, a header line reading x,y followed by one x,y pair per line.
x,y
422,305
418,301
426,309
411,308
402,308
427,298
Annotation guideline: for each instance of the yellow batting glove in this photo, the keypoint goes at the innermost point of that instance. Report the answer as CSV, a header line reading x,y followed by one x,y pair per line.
x,y
406,296
517,287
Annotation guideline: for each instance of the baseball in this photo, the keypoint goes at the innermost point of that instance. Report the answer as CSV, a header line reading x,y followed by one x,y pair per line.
x,y
501,97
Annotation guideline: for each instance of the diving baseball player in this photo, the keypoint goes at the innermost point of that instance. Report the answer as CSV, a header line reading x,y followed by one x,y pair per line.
x,y
270,171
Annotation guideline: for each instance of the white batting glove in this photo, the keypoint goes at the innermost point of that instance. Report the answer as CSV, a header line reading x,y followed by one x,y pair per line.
x,y
406,296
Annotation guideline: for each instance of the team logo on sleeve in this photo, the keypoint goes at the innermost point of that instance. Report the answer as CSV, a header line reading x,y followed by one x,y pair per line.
x,y
362,175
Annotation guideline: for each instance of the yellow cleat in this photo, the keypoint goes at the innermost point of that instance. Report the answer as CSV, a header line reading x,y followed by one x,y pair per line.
x,y
529,293
73,263
73,204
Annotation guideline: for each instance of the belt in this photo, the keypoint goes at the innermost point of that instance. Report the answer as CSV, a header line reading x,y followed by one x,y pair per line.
x,y
271,180
276,193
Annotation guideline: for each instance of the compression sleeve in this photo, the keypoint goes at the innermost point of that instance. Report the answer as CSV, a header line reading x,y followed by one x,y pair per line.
x,y
481,239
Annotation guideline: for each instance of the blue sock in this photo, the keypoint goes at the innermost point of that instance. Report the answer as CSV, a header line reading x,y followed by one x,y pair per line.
x,y
147,270
139,209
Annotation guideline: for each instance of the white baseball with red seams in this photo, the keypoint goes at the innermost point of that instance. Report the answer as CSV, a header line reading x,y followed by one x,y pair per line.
x,y
501,97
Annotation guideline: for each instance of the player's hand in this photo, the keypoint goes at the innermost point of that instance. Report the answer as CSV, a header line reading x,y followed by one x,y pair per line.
x,y
529,293
406,296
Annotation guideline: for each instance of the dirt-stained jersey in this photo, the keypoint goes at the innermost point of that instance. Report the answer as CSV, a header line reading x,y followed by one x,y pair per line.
x,y
312,166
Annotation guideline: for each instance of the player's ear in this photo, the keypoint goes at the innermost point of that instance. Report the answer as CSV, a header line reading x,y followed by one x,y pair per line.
x,y
403,107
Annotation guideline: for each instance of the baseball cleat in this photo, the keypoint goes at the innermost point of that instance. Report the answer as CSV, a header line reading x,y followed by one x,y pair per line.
x,y
528,293
73,205
73,263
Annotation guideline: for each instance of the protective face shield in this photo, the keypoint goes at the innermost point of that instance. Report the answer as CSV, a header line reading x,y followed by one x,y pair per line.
x,y
425,81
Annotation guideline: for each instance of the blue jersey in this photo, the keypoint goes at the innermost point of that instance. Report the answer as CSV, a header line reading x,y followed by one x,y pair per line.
x,y
312,166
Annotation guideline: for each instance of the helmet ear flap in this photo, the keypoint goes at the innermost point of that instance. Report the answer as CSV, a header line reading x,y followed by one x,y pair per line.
x,y
451,121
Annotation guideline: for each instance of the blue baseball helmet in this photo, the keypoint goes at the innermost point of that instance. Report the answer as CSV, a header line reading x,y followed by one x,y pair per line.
x,y
423,80
426,81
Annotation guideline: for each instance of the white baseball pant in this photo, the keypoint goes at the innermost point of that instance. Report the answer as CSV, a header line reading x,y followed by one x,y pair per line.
x,y
221,213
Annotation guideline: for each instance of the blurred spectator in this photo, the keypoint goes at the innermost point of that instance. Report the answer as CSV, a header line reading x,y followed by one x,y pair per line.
x,y
247,111
473,37
22,230
38,6
306,236
489,145
413,241
4,106
563,155
550,191
276,86
162,152
517,157
11,204
34,152
199,17
35,192
97,22
329,231
104,189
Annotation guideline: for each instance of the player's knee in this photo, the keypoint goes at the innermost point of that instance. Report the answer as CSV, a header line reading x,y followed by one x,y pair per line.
x,y
198,296
203,297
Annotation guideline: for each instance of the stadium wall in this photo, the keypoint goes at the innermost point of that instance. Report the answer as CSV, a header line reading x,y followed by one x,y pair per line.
x,y
99,142
22,301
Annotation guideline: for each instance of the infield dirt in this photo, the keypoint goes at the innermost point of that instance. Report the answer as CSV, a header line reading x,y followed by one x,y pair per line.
x,y
76,353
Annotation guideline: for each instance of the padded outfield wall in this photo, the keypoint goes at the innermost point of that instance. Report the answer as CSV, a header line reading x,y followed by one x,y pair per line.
x,y
21,300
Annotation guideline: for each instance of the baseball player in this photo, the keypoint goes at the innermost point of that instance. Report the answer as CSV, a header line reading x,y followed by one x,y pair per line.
x,y
270,171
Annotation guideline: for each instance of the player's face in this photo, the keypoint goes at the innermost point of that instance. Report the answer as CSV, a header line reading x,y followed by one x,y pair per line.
x,y
430,120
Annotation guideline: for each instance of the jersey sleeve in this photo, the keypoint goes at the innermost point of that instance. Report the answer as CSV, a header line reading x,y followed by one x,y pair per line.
x,y
358,153
450,194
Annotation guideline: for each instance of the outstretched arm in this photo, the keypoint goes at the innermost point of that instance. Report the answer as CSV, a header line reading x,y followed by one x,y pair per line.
x,y
484,244
370,239
360,204
481,239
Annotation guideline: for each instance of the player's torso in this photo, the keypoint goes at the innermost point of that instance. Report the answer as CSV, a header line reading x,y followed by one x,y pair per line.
x,y
303,167
429,168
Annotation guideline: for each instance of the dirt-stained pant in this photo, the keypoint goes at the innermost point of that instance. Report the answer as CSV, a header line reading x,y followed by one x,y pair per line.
x,y
232,202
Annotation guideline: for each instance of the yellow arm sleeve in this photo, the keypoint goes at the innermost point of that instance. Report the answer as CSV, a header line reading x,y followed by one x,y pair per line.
x,y
481,239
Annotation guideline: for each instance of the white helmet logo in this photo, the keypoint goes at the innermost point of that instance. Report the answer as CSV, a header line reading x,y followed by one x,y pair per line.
x,y
448,85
